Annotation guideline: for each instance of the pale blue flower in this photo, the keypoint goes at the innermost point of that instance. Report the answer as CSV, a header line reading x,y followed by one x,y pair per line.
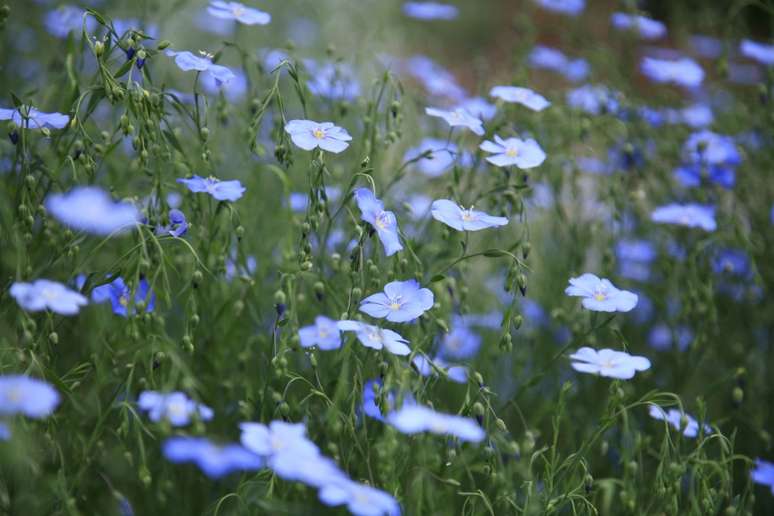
x,y
570,7
21,394
479,107
401,301
600,295
462,219
186,61
763,473
360,499
91,209
310,135
461,342
43,294
593,99
430,11
5,432
458,118
174,407
683,72
324,334
435,78
65,19
427,367
523,96
384,222
514,151
689,215
647,28
374,337
30,117
214,460
608,363
760,52
332,81
412,419
552,59
440,156
679,420
711,148
221,190
238,12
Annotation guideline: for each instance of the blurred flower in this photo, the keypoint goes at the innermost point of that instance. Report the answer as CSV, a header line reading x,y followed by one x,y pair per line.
x,y
707,46
645,27
401,301
332,81
238,12
763,473
440,156
708,147
177,226
696,115
430,11
413,419
634,258
691,175
323,333
523,96
20,394
458,118
608,363
234,90
119,294
30,117
309,135
593,99
679,420
376,338
460,343
689,215
213,459
760,52
384,222
600,295
418,205
514,151
435,78
478,107
571,7
220,190
461,219
174,407
65,19
5,432
299,202
90,209
361,499
186,61
43,294
732,262
371,409
683,72
662,338
427,367
552,59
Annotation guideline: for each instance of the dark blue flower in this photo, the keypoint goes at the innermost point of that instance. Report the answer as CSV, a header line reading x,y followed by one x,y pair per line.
x,y
119,295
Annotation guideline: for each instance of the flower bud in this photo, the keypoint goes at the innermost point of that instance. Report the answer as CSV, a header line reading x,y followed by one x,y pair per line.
x,y
164,44
99,48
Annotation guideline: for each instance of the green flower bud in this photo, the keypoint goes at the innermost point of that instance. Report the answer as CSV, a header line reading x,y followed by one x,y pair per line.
x,y
164,44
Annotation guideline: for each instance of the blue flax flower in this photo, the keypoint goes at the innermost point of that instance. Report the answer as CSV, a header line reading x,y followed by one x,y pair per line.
x,y
174,407
214,460
593,99
92,210
119,295
65,19
186,61
683,72
634,258
711,148
760,52
459,117
220,190
524,96
570,7
310,135
608,363
552,59
600,295
435,78
679,420
412,419
374,337
478,107
645,27
401,301
332,81
439,158
371,409
43,294
177,227
324,334
461,342
5,432
763,473
427,367
689,215
238,12
691,175
384,222
513,151
30,117
430,11
461,219
20,394
360,499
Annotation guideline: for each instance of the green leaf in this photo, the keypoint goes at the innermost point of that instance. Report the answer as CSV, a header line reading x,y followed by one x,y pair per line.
x,y
495,253
437,278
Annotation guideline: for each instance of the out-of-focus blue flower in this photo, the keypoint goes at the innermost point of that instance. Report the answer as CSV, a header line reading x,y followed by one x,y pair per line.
x,y
310,135
401,301
683,72
479,107
571,7
213,459
384,222
458,118
90,209
689,215
662,338
234,90
760,52
747,74
220,190
20,394
435,78
696,115
430,11
600,295
412,419
647,28
608,363
177,226
324,334
552,59
65,19
370,407
644,310
32,118
461,219
119,294
714,149
238,12
461,342
360,499
593,99
440,156
418,205
332,81
763,473
174,407
732,262
634,258
5,432
592,165
679,420
374,337
299,202
524,96
691,175
514,151
706,46
43,294
186,61
427,367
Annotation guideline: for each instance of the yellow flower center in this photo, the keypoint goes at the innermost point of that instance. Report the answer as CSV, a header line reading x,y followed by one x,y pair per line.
x,y
238,11
318,133
599,296
512,152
